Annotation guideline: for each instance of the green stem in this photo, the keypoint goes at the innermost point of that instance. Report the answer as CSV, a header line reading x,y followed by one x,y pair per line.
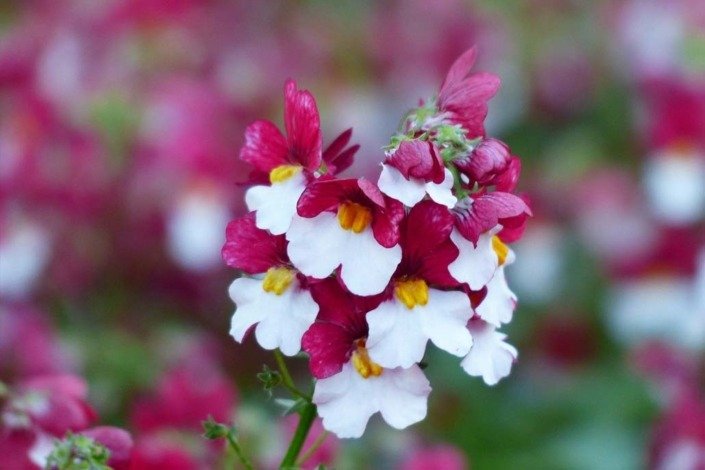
x,y
314,447
287,381
238,451
308,413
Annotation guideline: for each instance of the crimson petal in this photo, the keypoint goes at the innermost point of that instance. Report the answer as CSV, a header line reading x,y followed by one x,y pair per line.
x,y
250,249
265,147
486,211
303,126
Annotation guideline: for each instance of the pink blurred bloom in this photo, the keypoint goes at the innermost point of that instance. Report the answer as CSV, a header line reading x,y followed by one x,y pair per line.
x,y
434,457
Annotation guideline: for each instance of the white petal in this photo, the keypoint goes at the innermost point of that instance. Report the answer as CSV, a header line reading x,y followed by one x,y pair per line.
x,y
403,396
345,403
367,266
396,338
490,357
498,306
442,193
244,292
317,246
314,244
283,319
474,265
443,321
392,183
276,204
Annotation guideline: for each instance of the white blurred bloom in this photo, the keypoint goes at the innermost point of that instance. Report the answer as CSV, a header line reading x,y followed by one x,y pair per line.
x,y
195,230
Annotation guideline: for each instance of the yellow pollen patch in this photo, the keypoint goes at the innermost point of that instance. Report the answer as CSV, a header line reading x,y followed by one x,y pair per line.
x,y
500,248
412,292
277,280
353,216
283,173
362,362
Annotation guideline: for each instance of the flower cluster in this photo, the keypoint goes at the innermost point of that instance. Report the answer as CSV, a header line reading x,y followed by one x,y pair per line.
x,y
362,275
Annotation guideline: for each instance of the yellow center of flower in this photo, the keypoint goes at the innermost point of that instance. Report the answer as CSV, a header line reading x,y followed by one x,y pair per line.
x,y
278,280
362,362
353,216
411,292
500,248
283,173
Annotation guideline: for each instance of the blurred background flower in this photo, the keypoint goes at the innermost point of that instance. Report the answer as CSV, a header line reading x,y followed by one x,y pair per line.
x,y
120,126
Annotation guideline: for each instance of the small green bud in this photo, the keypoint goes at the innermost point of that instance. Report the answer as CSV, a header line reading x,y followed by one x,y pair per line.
x,y
78,452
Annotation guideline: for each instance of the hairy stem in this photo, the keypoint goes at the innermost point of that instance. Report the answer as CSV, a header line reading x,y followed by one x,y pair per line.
x,y
238,452
287,381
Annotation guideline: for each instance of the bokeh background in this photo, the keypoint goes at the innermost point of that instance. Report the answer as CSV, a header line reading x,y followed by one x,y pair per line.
x,y
120,127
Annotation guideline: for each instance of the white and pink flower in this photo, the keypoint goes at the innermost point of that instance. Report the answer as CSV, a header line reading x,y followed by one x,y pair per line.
x,y
276,299
351,387
420,308
347,224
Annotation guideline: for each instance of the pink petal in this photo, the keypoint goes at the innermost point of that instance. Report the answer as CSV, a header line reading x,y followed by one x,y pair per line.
x,y
303,126
341,320
336,156
265,147
426,246
466,101
329,347
460,68
323,195
486,212
343,161
508,179
386,221
428,225
250,249
489,159
117,441
371,190
418,159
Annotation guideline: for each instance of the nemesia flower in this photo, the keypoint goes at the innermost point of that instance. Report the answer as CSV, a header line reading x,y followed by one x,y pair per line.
x,y
289,161
338,221
418,310
350,386
414,170
490,357
276,299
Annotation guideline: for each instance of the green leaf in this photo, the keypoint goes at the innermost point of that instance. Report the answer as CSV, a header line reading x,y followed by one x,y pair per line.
x,y
291,406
